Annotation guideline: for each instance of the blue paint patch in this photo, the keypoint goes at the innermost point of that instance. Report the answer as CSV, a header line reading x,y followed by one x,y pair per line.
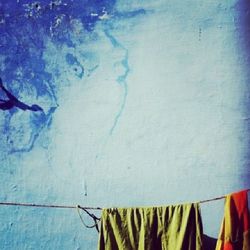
x,y
70,59
25,27
77,68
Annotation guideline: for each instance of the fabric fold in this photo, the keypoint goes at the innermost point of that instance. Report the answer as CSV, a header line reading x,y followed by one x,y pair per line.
x,y
235,231
176,227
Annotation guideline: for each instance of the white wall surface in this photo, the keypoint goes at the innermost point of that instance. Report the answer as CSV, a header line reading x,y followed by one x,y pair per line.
x,y
162,119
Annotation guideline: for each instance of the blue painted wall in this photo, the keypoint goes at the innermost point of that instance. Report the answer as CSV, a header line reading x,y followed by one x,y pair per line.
x,y
144,103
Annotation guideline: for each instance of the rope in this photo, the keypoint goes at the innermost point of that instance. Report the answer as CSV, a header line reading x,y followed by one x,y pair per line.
x,y
217,198
85,209
213,199
46,205
95,219
81,207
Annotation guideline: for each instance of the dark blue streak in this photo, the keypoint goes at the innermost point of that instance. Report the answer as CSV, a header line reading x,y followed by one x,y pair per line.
x,y
120,79
13,102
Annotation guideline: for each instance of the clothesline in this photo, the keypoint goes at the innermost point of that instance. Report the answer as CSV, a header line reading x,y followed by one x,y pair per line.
x,y
46,205
82,207
78,207
218,198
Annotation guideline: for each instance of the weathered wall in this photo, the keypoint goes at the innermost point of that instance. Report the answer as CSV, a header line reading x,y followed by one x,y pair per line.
x,y
144,103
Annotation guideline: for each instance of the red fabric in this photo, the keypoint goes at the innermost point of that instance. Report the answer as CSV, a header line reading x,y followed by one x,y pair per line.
x,y
233,235
239,210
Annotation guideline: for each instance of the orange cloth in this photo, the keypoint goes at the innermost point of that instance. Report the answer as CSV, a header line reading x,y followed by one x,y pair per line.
x,y
235,228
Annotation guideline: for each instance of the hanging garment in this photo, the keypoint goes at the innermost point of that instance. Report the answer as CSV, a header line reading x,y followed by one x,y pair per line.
x,y
235,231
154,228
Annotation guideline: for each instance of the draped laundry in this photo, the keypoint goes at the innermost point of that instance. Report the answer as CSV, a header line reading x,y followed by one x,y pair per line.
x,y
176,227
235,228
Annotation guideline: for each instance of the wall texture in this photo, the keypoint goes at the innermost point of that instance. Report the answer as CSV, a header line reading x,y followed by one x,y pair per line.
x,y
143,103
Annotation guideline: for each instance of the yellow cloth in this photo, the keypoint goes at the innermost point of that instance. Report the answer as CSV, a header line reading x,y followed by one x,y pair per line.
x,y
176,227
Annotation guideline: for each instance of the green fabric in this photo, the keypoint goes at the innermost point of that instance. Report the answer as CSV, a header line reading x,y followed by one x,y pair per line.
x,y
151,228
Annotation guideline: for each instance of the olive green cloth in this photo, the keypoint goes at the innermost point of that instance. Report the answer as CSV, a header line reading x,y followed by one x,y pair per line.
x,y
176,227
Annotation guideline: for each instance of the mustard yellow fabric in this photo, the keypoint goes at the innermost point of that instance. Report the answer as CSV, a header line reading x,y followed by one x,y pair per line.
x,y
176,227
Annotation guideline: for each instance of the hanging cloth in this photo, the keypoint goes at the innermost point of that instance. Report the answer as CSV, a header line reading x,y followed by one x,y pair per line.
x,y
176,227
235,230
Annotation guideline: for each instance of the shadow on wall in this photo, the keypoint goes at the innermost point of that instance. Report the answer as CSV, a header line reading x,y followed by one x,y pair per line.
x,y
13,102
243,26
242,23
